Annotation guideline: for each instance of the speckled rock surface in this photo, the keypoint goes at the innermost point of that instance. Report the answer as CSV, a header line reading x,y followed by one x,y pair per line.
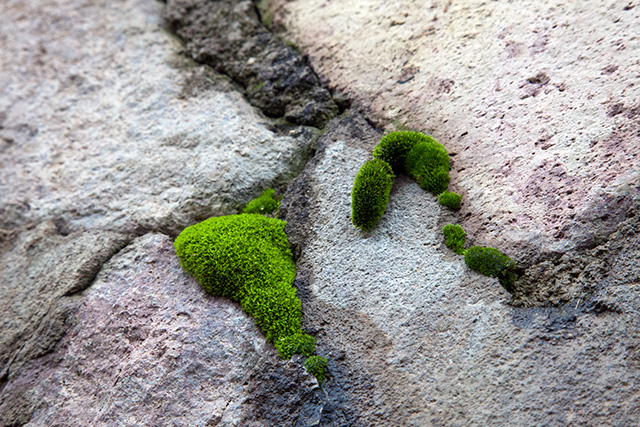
x,y
144,345
539,100
415,338
105,124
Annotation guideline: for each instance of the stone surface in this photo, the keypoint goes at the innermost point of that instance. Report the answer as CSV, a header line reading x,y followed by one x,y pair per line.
x,y
105,125
145,345
229,36
538,100
416,338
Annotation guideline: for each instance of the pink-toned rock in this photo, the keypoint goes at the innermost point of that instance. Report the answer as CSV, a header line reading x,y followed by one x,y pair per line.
x,y
537,101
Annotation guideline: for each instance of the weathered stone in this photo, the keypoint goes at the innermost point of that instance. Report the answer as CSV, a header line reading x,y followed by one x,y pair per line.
x,y
538,100
229,36
104,125
416,338
145,345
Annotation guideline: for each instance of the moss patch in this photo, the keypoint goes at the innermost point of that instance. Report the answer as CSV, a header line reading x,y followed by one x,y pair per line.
x,y
454,238
246,258
370,193
264,204
450,200
317,366
492,262
394,147
428,163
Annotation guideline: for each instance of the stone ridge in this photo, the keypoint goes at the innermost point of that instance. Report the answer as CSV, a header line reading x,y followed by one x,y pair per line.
x,y
229,36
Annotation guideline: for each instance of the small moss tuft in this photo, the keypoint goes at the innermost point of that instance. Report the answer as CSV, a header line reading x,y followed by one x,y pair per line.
x,y
317,366
428,163
492,262
299,343
264,204
450,200
454,238
370,193
394,147
246,258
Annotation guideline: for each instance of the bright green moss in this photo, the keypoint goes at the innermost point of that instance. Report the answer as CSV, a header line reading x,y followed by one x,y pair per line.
x,y
428,163
265,203
454,238
299,343
492,262
450,200
246,258
317,366
370,193
394,147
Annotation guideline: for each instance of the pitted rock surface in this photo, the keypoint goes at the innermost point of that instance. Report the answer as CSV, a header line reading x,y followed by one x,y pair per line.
x,y
145,345
538,100
105,125
416,338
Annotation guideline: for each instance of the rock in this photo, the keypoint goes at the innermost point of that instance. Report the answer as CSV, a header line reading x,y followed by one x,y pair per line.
x,y
145,345
229,36
416,338
536,100
105,125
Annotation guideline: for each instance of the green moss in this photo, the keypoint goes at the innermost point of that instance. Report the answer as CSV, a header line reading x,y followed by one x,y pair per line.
x,y
317,366
492,262
428,163
450,200
454,238
299,343
246,258
370,193
394,147
264,204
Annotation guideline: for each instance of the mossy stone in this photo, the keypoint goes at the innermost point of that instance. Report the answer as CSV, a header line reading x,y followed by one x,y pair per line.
x,y
317,366
264,204
370,193
454,238
492,262
450,200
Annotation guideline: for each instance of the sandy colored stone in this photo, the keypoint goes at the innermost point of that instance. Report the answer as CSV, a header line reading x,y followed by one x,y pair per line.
x,y
538,101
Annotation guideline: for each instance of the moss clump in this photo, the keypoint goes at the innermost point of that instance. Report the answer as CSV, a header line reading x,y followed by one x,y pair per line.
x,y
264,204
454,238
450,200
492,262
370,193
428,163
299,343
317,366
394,147
246,258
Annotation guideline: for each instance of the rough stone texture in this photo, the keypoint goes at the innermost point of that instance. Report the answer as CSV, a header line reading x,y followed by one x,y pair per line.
x,y
229,36
103,124
416,338
144,345
538,100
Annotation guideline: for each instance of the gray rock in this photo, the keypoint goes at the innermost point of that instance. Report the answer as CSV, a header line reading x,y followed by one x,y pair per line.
x,y
229,36
145,345
105,125
416,338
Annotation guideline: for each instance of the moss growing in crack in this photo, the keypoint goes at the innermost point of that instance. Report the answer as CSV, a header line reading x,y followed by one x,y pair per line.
x,y
246,258
370,193
299,343
264,204
450,200
454,238
492,262
394,147
428,163
317,366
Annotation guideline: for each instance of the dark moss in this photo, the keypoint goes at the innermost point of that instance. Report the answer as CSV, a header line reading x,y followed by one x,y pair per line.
x,y
450,200
428,163
299,343
370,193
246,258
492,262
454,238
264,204
317,366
